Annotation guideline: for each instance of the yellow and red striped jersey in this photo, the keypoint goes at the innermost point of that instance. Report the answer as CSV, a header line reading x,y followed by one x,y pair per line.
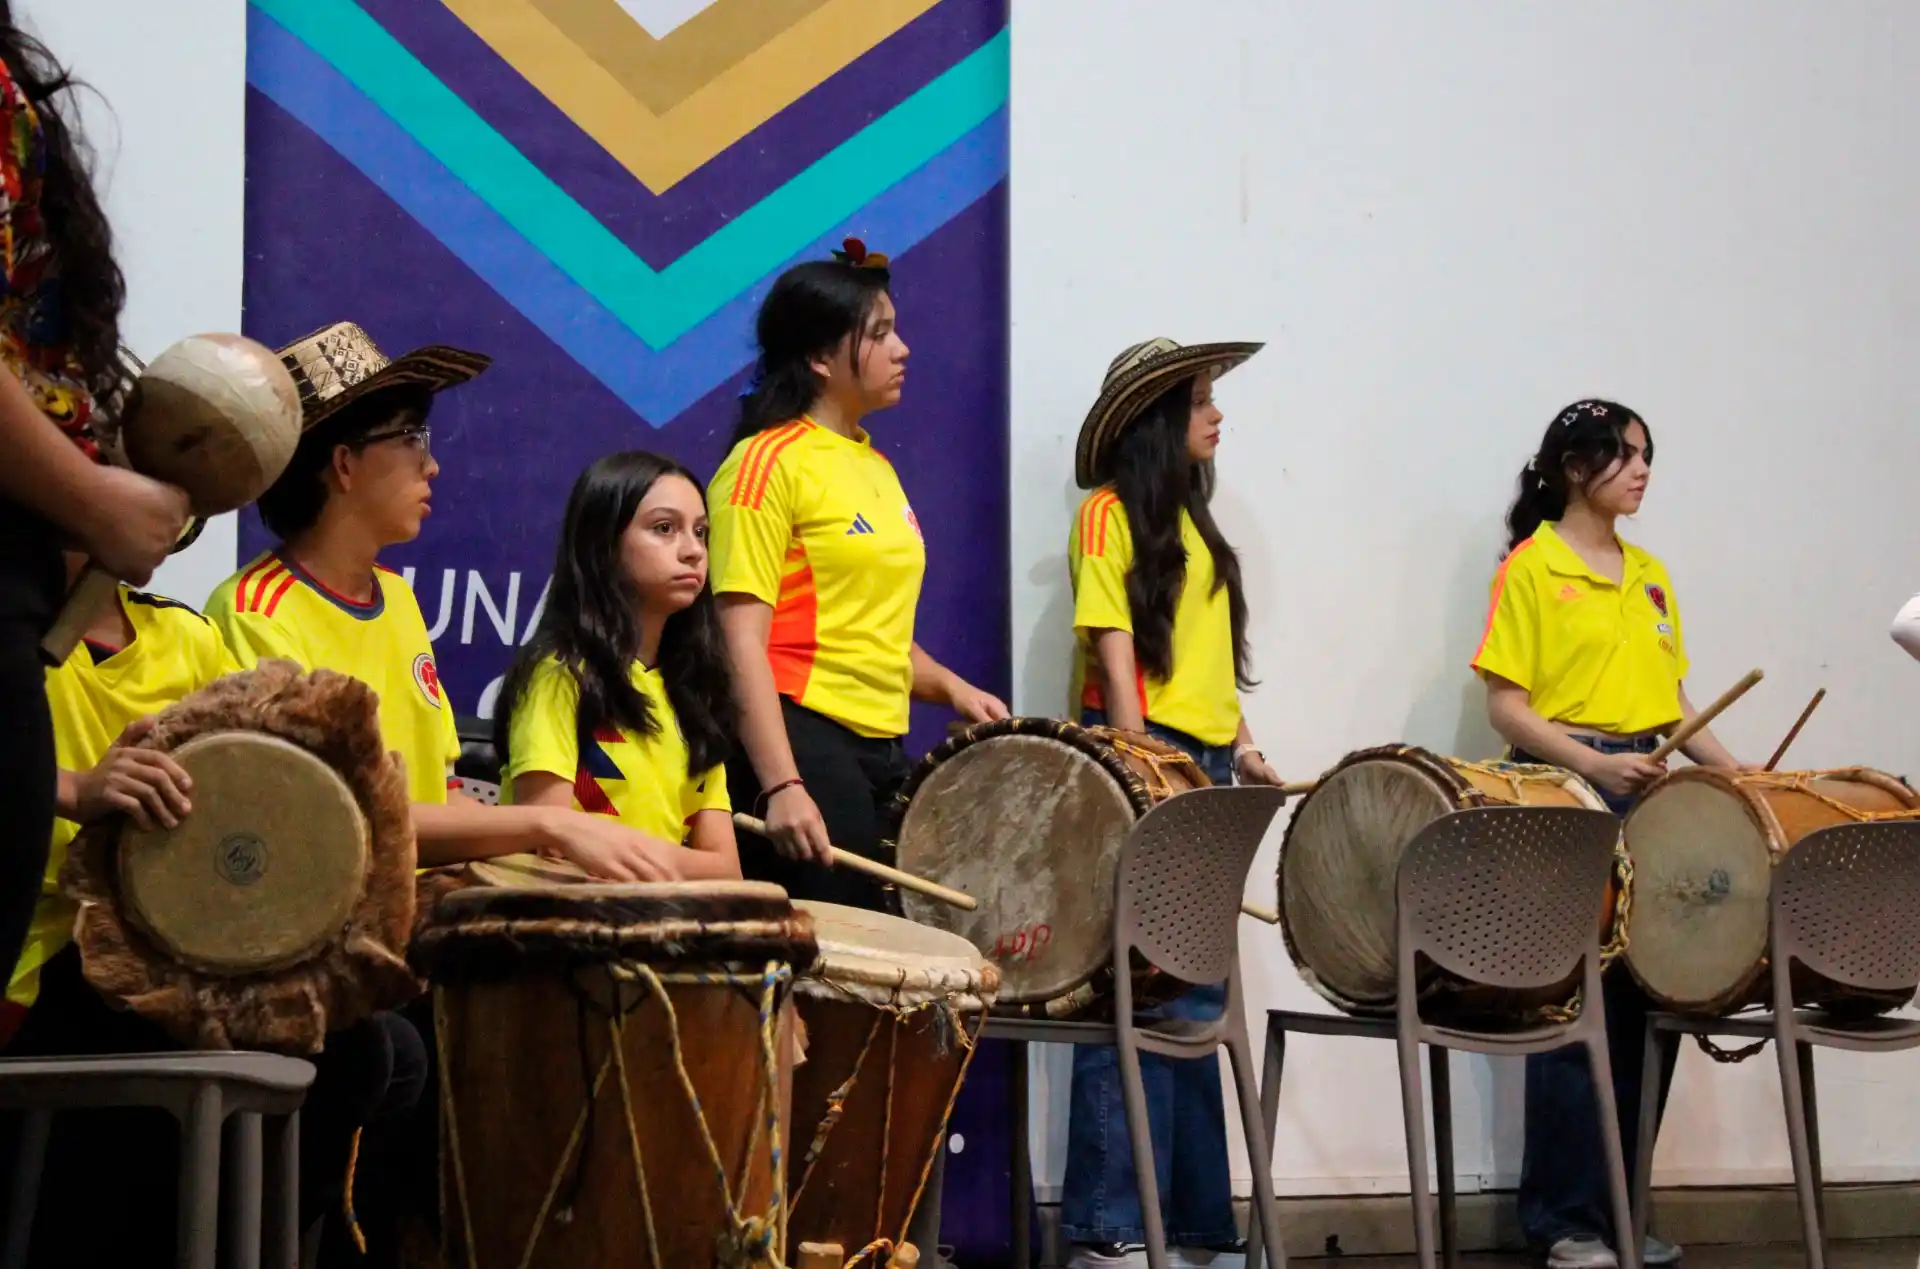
x,y
817,525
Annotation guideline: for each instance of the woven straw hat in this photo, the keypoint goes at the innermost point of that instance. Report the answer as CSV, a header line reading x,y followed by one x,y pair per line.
x,y
1136,377
338,364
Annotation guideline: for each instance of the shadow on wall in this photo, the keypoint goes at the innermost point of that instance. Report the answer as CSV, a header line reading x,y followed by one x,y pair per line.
x,y
1049,652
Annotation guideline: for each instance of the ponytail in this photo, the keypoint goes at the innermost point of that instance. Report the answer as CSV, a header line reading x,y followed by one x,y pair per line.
x,y
1588,437
809,310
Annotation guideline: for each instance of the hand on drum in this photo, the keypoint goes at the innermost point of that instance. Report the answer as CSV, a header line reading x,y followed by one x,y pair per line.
x,y
795,826
143,784
132,523
1623,774
608,849
1253,768
975,705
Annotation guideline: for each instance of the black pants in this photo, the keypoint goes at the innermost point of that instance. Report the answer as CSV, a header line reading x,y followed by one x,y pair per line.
x,y
108,1193
32,582
852,779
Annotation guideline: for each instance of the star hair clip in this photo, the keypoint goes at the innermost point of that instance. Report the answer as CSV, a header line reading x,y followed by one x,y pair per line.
x,y
854,252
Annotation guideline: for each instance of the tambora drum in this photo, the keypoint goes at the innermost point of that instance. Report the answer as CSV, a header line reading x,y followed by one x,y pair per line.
x,y
892,1012
280,908
1340,859
1704,842
1028,815
611,1067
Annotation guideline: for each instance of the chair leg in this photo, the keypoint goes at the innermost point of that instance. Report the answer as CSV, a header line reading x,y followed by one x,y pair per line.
x,y
1629,1248
1440,1076
1657,1044
29,1159
199,1215
1140,1131
1265,1211
241,1168
1022,1179
1412,1106
1810,1093
1274,1065
282,1242
1793,1095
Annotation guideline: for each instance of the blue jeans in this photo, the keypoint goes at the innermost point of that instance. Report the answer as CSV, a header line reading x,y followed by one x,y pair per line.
x,y
1563,1178
1186,1115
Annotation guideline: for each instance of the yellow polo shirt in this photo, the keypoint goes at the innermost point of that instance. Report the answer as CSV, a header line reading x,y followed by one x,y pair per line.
x,y
641,780
94,696
816,524
1591,654
1201,698
273,608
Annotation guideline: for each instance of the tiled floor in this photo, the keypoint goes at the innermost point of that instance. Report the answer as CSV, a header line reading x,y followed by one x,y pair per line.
x,y
1897,1253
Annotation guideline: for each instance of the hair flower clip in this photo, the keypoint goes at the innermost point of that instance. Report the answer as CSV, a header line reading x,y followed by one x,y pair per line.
x,y
855,253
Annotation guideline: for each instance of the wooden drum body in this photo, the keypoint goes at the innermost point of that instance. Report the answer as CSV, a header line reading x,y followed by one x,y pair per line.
x,y
1340,859
611,1060
891,1011
1704,842
1028,816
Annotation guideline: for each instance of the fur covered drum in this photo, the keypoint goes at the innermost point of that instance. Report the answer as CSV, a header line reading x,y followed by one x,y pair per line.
x,y
1028,815
280,908
1704,843
892,1012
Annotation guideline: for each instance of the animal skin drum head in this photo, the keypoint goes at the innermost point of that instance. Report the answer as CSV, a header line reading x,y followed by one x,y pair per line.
x,y
1338,876
1032,828
913,962
217,415
264,872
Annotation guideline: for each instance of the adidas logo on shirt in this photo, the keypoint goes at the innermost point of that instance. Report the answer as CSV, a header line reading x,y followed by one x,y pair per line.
x,y
860,525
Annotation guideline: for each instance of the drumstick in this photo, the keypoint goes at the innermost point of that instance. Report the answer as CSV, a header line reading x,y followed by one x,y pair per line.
x,y
1259,913
860,863
1800,722
1685,731
90,597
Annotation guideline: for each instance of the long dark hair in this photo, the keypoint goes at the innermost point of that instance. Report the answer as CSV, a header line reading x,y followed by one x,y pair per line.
x,y
92,290
809,310
1155,477
591,624
1588,437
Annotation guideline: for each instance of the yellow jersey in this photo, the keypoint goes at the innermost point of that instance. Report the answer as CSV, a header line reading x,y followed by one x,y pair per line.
x,y
1201,697
643,781
817,525
94,696
273,608
1592,653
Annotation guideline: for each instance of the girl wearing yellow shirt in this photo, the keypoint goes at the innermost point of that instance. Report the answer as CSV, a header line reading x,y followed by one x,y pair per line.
x,y
1584,663
619,704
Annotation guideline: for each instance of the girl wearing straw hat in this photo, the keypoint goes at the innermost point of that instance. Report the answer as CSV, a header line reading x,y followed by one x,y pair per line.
x,y
1161,619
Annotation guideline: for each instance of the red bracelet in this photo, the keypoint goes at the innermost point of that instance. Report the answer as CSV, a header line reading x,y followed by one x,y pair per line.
x,y
766,797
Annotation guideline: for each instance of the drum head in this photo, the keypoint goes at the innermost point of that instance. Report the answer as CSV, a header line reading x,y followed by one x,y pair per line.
x,y
910,962
1031,827
265,871
1338,871
1702,878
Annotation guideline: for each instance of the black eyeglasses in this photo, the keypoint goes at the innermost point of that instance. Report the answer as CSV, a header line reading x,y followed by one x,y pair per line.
x,y
418,436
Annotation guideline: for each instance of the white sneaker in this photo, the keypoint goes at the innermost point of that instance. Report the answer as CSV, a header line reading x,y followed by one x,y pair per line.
x,y
1233,1256
1582,1251
1108,1256
1658,1251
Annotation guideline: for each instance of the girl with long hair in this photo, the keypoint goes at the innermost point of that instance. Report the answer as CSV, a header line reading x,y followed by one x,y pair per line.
x,y
1161,617
61,293
620,702
1585,667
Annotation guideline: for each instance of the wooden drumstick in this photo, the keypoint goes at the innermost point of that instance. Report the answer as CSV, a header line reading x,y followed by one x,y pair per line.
x,y
860,863
1259,913
1685,731
1794,734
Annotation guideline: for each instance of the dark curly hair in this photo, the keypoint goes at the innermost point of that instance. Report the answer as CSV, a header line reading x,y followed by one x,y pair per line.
x,y
1581,443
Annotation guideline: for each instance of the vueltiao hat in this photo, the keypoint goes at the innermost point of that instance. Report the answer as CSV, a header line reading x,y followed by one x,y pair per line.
x,y
1135,379
339,364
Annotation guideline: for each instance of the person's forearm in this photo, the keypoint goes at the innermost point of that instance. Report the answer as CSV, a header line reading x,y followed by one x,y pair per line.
x,y
66,795
1523,728
763,731
44,470
933,683
1703,746
708,865
1120,679
460,830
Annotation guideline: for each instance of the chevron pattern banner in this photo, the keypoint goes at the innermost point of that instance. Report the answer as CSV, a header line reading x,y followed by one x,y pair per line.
x,y
597,193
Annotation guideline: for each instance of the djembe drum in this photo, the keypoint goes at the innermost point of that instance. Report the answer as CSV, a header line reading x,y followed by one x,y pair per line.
x,y
1340,860
892,1012
1028,815
612,1059
1704,843
280,908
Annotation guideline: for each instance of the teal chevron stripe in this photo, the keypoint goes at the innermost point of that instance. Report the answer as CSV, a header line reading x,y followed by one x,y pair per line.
x,y
658,307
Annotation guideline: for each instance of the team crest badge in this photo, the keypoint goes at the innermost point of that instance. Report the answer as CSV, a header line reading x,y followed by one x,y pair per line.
x,y
1658,596
427,677
913,522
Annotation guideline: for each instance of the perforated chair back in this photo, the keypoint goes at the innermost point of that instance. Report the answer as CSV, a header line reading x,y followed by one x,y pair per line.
x,y
1846,904
1506,896
485,791
1181,874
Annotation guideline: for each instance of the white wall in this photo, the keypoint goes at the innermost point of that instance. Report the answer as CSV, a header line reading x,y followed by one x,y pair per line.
x,y
1449,220
167,115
